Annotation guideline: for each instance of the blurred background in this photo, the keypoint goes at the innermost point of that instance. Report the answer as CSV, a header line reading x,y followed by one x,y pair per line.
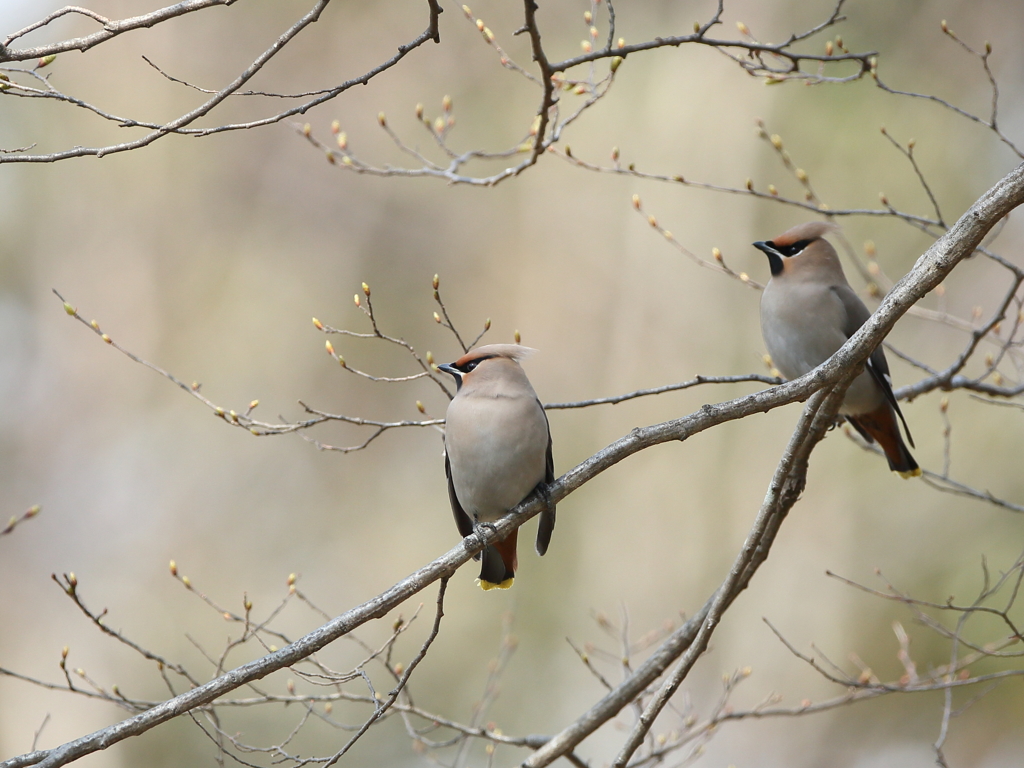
x,y
209,256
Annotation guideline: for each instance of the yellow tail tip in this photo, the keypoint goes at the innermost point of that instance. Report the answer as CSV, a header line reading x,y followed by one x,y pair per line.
x,y
489,585
915,472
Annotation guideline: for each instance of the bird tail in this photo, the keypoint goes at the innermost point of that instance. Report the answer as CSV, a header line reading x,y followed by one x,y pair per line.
x,y
498,564
880,425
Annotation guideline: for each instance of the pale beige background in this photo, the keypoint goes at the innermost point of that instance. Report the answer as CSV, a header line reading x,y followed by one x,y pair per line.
x,y
209,257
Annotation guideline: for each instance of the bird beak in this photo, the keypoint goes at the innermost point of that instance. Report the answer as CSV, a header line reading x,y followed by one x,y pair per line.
x,y
761,245
451,370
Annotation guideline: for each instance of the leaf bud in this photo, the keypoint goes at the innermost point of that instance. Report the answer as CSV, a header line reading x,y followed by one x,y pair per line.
x,y
944,404
291,579
517,337
480,24
430,358
742,28
366,290
801,174
593,32
750,185
307,130
717,254
174,568
341,362
186,581
439,125
105,338
335,127
487,324
828,47
234,416
382,119
329,347
419,111
446,103
776,141
420,407
219,411
945,27
437,318
399,668
355,298
883,198
912,143
319,326
621,43
64,652
72,579
69,309
588,17
95,325
615,154
652,221
489,35
343,141
988,48
33,510
616,63
696,27
636,202
586,46
436,282
772,190
47,60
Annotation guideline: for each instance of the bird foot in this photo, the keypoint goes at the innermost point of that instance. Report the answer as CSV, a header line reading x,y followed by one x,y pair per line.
x,y
478,526
544,492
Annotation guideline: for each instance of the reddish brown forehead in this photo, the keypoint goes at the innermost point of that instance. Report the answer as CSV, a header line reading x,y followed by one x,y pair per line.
x,y
472,355
510,351
810,230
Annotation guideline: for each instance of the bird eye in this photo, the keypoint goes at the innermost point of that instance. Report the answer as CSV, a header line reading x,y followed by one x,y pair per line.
x,y
794,249
470,366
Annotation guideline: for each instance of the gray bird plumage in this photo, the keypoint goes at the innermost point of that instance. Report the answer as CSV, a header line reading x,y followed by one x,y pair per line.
x,y
497,450
808,311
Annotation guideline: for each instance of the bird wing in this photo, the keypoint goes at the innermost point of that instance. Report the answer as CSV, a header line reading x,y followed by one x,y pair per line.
x,y
462,521
856,315
547,517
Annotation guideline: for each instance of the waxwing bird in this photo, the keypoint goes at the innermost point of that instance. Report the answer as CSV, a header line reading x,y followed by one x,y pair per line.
x,y
808,311
497,451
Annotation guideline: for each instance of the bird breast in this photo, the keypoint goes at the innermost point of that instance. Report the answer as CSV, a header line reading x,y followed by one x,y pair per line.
x,y
802,325
497,447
